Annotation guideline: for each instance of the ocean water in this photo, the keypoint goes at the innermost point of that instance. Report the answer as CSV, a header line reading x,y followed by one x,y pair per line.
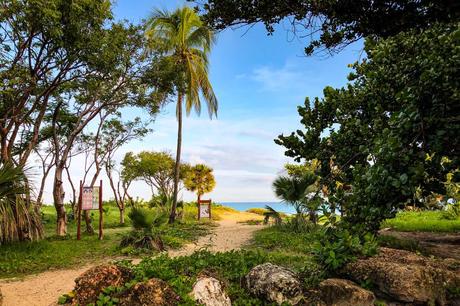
x,y
243,206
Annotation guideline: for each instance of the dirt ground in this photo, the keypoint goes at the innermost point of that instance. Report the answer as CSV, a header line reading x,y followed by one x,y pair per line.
x,y
444,245
44,289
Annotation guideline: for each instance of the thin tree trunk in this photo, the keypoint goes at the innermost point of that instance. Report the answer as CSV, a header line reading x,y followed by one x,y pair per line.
x,y
61,218
122,215
74,192
172,216
118,200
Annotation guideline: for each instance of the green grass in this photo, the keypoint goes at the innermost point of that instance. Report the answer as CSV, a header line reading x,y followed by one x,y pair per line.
x,y
423,221
20,259
295,249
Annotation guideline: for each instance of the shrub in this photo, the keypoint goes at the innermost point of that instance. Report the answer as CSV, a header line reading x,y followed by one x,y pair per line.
x,y
145,219
452,212
337,247
18,220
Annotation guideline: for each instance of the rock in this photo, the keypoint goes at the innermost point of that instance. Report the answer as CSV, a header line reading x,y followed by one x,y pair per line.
x,y
406,277
275,284
90,284
341,292
154,292
208,291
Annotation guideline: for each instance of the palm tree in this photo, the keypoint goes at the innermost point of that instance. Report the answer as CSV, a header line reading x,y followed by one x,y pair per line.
x,y
200,179
186,41
294,190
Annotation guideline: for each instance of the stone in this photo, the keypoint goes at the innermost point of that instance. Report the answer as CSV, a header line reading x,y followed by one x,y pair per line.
x,y
90,284
406,277
274,284
341,292
208,291
154,292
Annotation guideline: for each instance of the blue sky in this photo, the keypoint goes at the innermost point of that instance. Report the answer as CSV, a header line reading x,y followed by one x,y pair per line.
x,y
259,81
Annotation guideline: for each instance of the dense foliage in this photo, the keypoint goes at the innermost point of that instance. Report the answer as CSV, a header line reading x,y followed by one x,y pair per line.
x,y
64,64
391,135
331,24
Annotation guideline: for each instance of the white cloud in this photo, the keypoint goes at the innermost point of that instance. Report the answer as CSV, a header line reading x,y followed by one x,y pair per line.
x,y
292,76
242,153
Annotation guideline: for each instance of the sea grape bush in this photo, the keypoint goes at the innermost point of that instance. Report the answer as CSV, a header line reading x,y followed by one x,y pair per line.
x,y
372,137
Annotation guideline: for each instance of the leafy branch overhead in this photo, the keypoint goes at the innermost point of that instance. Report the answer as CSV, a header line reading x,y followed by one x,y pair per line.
x,y
330,25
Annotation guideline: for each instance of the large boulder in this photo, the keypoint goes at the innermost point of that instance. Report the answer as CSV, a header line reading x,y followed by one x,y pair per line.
x,y
406,277
208,291
90,284
275,284
154,292
341,292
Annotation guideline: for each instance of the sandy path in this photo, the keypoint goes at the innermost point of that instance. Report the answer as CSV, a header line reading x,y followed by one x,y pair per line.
x,y
43,289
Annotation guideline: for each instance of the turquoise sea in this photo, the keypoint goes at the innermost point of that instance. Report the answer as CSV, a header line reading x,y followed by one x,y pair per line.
x,y
242,206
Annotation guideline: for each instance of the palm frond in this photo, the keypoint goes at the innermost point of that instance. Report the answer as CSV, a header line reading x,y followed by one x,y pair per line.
x,y
183,33
272,213
18,221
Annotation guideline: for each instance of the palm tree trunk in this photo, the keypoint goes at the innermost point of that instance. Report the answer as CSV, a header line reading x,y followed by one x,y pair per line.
x,y
172,216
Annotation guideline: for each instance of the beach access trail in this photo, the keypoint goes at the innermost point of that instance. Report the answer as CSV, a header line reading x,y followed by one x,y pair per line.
x,y
43,289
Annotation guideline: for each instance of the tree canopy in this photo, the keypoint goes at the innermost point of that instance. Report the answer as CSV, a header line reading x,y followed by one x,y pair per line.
x,y
156,169
331,24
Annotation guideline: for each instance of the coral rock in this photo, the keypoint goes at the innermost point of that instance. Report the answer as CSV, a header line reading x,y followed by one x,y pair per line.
x,y
154,292
208,291
341,292
275,284
90,284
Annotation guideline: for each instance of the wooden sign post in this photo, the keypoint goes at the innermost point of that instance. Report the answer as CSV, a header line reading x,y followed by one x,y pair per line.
x,y
90,199
204,209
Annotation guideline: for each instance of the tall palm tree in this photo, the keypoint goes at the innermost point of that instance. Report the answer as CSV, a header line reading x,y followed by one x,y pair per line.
x,y
186,41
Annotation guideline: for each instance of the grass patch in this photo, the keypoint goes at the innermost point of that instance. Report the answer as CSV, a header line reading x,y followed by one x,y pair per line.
x,y
252,222
281,239
53,252
257,211
19,259
423,221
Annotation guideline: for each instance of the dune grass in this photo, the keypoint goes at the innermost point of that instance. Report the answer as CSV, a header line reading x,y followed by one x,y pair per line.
x,y
422,221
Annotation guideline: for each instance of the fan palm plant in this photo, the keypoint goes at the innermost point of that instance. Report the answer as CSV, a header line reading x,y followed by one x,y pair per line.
x,y
17,221
294,190
186,42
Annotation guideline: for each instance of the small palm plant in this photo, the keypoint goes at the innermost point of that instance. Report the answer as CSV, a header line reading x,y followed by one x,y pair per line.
x,y
18,221
271,213
294,191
